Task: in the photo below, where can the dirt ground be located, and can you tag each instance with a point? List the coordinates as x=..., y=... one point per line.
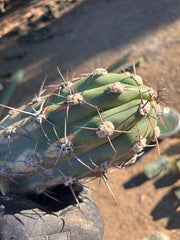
x=83, y=35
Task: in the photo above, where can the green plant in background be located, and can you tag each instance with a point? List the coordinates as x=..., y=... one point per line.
x=79, y=130
x=157, y=236
x=11, y=88
x=164, y=164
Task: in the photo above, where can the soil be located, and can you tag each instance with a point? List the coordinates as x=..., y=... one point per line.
x=81, y=36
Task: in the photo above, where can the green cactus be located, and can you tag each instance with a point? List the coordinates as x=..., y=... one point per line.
x=79, y=130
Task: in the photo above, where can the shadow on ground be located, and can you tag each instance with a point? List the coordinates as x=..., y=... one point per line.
x=168, y=208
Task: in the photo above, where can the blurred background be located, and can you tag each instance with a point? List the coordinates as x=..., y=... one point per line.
x=36, y=36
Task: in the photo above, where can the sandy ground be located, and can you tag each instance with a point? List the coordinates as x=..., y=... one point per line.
x=88, y=34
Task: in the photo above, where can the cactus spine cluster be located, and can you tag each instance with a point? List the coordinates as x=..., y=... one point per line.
x=81, y=129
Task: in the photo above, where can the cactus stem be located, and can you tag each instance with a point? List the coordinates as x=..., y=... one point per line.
x=136, y=112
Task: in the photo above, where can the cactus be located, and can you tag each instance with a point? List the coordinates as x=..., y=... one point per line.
x=79, y=130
